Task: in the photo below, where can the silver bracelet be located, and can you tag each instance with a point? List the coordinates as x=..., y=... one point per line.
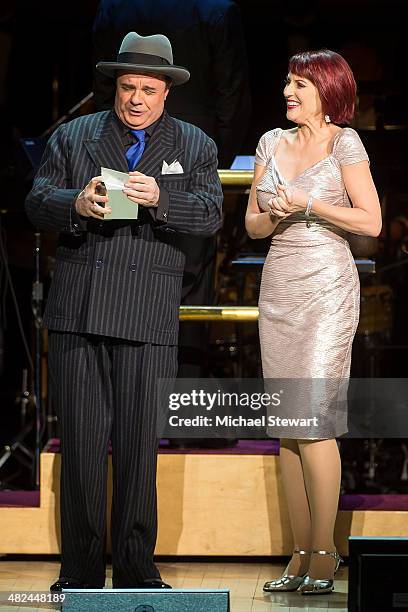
x=308, y=210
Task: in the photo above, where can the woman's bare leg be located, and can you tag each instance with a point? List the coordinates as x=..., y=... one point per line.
x=297, y=502
x=322, y=474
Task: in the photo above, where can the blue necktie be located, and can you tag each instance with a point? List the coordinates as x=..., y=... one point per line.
x=135, y=152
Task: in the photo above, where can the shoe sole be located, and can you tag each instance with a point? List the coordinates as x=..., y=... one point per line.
x=316, y=592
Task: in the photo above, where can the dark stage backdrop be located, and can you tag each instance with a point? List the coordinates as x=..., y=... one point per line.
x=46, y=54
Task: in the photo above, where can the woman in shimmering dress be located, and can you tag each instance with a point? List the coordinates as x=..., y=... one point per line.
x=312, y=185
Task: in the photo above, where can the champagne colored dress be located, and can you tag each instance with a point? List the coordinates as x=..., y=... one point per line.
x=310, y=294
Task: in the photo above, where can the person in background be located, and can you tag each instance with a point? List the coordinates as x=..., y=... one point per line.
x=209, y=38
x=206, y=36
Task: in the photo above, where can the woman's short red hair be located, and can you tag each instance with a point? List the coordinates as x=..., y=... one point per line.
x=334, y=80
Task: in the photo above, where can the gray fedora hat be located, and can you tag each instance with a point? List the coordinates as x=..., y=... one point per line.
x=146, y=55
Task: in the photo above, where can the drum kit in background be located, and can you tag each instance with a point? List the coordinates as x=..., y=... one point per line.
x=374, y=330
x=239, y=285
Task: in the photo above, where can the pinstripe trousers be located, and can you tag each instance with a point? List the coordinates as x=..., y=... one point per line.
x=105, y=389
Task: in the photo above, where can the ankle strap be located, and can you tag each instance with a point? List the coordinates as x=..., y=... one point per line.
x=331, y=553
x=302, y=552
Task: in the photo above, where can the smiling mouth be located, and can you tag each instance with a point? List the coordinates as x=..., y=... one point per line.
x=291, y=105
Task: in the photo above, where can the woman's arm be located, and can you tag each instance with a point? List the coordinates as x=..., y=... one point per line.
x=365, y=216
x=259, y=224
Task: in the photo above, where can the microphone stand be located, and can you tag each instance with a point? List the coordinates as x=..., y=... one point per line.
x=36, y=302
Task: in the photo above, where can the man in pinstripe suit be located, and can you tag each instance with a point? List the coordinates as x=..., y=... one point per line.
x=112, y=308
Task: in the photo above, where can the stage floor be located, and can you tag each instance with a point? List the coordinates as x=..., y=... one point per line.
x=244, y=580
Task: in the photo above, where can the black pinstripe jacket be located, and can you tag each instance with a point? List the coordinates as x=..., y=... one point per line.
x=123, y=279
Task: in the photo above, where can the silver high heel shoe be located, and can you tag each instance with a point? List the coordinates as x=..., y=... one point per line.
x=320, y=586
x=287, y=582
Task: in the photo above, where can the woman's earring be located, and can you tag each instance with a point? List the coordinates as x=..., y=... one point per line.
x=327, y=119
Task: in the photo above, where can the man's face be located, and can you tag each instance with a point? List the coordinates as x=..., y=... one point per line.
x=139, y=99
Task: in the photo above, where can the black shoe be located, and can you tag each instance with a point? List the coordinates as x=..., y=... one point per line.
x=153, y=583
x=71, y=584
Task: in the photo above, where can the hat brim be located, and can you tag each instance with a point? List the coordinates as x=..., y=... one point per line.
x=177, y=74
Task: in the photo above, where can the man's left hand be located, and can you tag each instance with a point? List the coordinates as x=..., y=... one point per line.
x=142, y=189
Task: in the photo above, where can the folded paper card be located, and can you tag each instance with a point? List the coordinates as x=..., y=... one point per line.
x=174, y=168
x=122, y=207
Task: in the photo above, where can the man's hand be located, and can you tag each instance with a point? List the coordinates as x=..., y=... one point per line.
x=87, y=202
x=142, y=189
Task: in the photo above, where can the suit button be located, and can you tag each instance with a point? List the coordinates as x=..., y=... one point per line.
x=165, y=215
x=99, y=263
x=133, y=267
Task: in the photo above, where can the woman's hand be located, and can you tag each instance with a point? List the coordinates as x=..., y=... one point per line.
x=288, y=201
x=279, y=207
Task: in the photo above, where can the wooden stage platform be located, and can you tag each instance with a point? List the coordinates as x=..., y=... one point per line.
x=210, y=504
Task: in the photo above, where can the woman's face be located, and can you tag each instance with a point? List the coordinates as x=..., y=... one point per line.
x=302, y=100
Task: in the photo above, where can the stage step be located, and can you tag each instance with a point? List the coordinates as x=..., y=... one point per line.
x=208, y=505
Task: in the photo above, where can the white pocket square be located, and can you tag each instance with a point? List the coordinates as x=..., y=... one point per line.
x=174, y=168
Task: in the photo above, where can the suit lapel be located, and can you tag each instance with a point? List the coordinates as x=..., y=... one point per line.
x=106, y=149
x=165, y=144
